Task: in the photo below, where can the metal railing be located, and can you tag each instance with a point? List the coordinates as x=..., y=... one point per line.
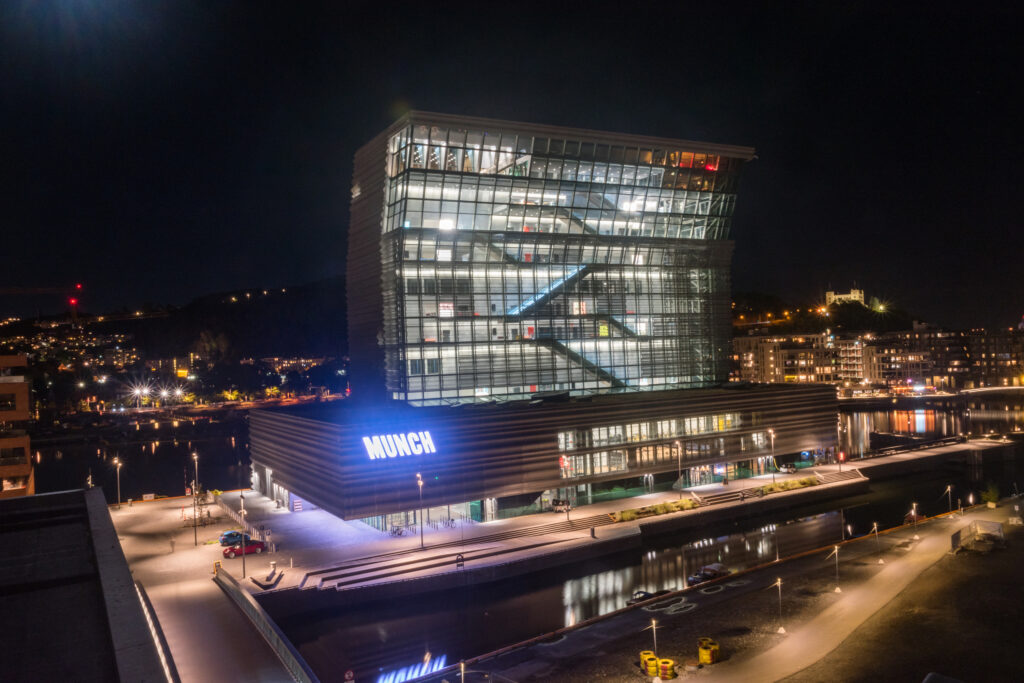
x=259, y=533
x=163, y=650
x=278, y=642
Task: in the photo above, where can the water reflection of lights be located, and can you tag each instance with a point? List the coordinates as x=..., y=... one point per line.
x=408, y=673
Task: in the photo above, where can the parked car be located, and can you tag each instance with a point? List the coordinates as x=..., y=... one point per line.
x=233, y=538
x=252, y=546
x=913, y=517
x=640, y=596
x=788, y=468
x=707, y=573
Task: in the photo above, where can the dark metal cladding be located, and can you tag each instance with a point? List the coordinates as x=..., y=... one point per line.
x=495, y=451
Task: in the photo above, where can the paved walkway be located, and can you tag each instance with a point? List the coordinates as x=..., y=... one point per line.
x=209, y=637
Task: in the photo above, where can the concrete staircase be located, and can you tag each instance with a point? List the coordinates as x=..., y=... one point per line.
x=832, y=477
x=395, y=564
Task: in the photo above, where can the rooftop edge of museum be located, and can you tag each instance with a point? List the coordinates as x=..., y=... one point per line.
x=585, y=135
x=687, y=398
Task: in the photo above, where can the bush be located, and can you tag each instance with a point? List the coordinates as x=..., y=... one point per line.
x=991, y=494
x=788, y=485
x=652, y=510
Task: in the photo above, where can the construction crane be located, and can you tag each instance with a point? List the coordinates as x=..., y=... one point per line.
x=73, y=294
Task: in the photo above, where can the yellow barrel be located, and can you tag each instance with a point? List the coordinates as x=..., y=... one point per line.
x=668, y=668
x=702, y=642
x=715, y=649
x=705, y=655
x=651, y=665
x=644, y=654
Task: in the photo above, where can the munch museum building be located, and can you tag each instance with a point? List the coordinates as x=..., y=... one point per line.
x=535, y=313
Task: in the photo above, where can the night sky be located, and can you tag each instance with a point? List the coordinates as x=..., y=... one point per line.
x=161, y=151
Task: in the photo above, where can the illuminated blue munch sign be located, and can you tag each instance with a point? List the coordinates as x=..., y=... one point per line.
x=381, y=446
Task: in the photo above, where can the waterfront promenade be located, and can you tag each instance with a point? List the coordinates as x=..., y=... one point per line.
x=210, y=639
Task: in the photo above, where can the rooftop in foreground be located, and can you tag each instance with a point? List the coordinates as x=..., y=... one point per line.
x=70, y=608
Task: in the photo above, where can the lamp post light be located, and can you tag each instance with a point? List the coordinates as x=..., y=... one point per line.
x=243, y=512
x=878, y=544
x=778, y=583
x=771, y=435
x=419, y=482
x=949, y=497
x=913, y=513
x=117, y=463
x=835, y=551
x=195, y=498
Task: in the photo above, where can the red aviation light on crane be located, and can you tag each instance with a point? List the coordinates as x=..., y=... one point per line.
x=73, y=301
x=78, y=286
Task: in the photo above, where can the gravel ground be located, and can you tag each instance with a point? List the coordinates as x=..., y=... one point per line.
x=958, y=618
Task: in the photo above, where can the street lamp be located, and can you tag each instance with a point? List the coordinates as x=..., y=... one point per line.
x=243, y=512
x=778, y=583
x=949, y=497
x=835, y=551
x=771, y=435
x=913, y=512
x=878, y=545
x=117, y=462
x=654, y=631
x=419, y=482
x=195, y=497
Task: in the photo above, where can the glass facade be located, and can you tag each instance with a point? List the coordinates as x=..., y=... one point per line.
x=640, y=445
x=515, y=263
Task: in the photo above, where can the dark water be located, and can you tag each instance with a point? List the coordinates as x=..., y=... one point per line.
x=982, y=416
x=154, y=460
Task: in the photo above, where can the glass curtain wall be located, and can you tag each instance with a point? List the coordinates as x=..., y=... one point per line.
x=515, y=264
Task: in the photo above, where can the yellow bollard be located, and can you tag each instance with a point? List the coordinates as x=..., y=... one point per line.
x=667, y=668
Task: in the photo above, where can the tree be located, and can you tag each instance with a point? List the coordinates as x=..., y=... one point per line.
x=212, y=348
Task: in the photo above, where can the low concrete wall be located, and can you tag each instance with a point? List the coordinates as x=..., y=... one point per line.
x=927, y=459
x=715, y=514
x=276, y=639
x=290, y=601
